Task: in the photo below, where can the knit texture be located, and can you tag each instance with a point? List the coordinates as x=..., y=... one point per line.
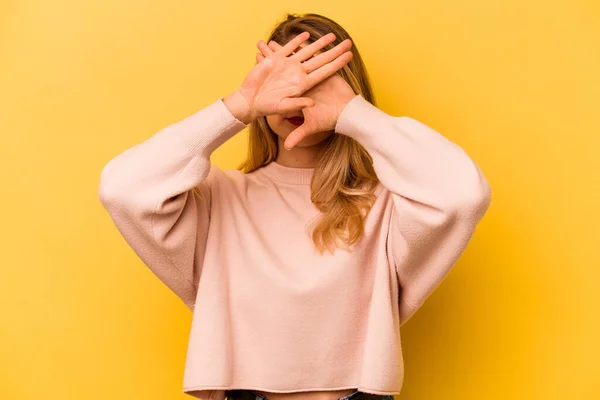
x=269, y=312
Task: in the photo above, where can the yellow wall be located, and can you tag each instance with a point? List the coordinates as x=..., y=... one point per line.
x=516, y=83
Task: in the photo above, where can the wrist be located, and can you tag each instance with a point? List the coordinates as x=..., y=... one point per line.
x=344, y=114
x=239, y=107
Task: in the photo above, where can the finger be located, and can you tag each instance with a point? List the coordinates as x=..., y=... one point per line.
x=293, y=44
x=295, y=137
x=321, y=59
x=328, y=70
x=264, y=49
x=307, y=52
x=273, y=45
x=259, y=57
x=295, y=103
x=276, y=46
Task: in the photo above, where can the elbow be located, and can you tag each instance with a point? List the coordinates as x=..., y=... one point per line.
x=105, y=191
x=482, y=201
x=120, y=191
x=474, y=202
x=474, y=195
x=106, y=195
x=109, y=191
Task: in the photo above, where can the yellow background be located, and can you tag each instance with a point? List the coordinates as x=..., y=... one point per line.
x=515, y=83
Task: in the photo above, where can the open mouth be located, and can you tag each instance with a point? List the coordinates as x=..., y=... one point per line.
x=295, y=120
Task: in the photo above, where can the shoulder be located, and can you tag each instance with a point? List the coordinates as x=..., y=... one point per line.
x=218, y=176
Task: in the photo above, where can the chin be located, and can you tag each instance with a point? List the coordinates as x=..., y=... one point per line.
x=314, y=139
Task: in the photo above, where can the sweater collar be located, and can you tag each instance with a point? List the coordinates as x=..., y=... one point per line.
x=291, y=175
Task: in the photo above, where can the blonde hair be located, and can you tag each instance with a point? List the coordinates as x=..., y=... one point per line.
x=344, y=179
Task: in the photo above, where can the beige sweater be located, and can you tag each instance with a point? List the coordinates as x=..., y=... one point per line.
x=270, y=313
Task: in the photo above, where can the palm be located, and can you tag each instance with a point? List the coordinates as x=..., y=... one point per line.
x=272, y=81
x=276, y=83
x=330, y=97
x=323, y=115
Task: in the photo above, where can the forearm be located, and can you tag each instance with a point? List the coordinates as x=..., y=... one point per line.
x=413, y=160
x=171, y=161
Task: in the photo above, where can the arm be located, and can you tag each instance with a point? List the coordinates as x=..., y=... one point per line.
x=439, y=195
x=158, y=194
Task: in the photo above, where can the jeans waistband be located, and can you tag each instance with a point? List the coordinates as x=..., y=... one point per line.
x=248, y=394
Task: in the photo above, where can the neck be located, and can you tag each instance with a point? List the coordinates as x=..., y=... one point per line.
x=299, y=157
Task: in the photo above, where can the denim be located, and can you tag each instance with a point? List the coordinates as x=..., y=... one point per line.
x=247, y=394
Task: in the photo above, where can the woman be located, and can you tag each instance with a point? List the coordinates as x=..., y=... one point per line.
x=301, y=267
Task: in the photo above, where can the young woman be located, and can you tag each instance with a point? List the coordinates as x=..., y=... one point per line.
x=301, y=266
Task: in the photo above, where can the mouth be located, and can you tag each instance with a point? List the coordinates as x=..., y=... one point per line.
x=295, y=120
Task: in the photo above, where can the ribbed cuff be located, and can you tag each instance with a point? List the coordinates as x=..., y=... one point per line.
x=358, y=119
x=209, y=128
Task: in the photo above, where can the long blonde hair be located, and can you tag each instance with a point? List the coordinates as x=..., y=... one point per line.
x=344, y=179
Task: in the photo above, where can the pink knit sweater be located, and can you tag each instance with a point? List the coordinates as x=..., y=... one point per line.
x=270, y=313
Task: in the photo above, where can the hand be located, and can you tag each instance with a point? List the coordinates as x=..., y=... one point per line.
x=275, y=84
x=330, y=97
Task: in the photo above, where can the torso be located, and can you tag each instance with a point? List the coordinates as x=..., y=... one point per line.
x=261, y=301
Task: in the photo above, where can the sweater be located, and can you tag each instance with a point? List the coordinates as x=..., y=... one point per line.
x=269, y=312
